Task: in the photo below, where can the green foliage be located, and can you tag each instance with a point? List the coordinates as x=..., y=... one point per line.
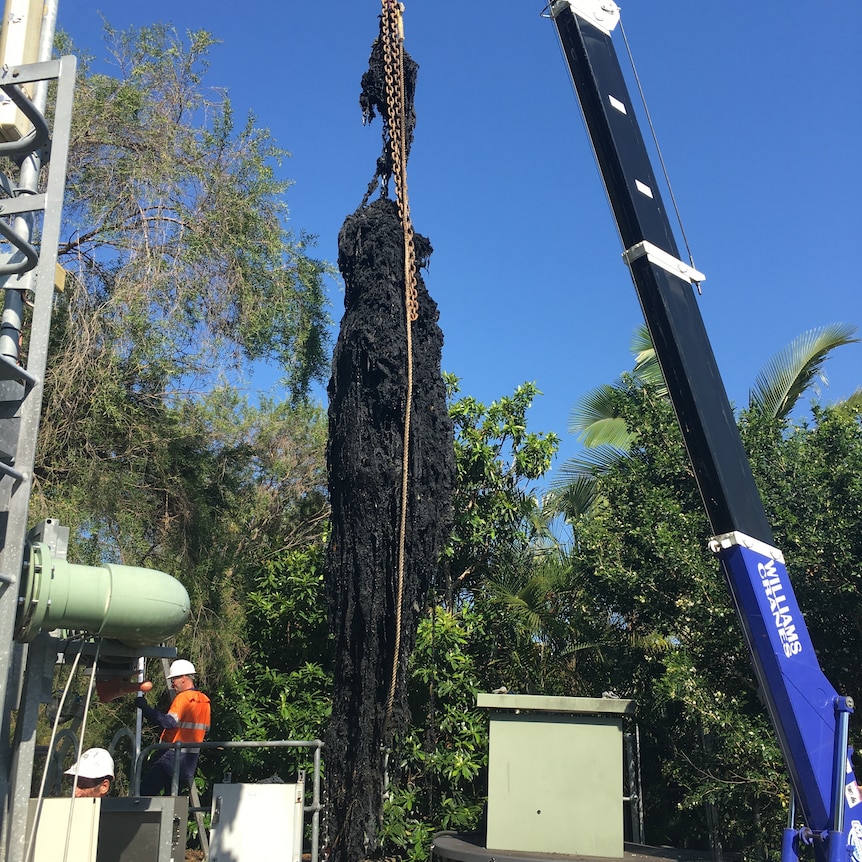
x=599, y=421
x=709, y=751
x=176, y=219
x=596, y=418
x=496, y=457
x=682, y=657
x=182, y=273
x=811, y=480
x=546, y=635
x=793, y=370
x=438, y=776
x=481, y=634
x=282, y=690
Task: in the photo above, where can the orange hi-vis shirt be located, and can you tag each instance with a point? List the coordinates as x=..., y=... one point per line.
x=191, y=711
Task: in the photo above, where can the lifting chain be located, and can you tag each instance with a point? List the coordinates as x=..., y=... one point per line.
x=392, y=34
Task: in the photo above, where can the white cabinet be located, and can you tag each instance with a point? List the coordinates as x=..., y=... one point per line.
x=67, y=829
x=251, y=822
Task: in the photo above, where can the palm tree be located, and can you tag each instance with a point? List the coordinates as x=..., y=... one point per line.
x=596, y=419
x=546, y=628
x=795, y=369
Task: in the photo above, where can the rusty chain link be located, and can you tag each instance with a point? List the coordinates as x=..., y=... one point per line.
x=396, y=107
x=392, y=34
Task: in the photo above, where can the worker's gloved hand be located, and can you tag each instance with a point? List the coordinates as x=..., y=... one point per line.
x=150, y=713
x=146, y=710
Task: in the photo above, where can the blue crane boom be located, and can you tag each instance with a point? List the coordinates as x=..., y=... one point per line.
x=810, y=718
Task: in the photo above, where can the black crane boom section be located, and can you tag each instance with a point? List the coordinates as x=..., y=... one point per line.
x=669, y=305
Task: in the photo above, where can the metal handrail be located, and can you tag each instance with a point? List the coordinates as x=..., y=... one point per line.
x=314, y=808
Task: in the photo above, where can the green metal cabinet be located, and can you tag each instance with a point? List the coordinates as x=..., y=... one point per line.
x=555, y=774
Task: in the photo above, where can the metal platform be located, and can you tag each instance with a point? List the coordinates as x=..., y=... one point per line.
x=467, y=847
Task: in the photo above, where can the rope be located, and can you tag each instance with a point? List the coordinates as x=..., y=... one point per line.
x=392, y=34
x=31, y=838
x=91, y=686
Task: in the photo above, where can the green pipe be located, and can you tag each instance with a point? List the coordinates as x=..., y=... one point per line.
x=135, y=606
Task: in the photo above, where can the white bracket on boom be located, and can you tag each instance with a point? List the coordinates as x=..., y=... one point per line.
x=729, y=540
x=603, y=14
x=665, y=260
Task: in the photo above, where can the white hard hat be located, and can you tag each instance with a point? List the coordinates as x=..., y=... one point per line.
x=94, y=763
x=181, y=667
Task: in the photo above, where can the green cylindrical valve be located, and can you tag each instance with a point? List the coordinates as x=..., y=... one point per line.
x=138, y=607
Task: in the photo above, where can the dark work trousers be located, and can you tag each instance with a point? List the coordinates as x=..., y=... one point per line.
x=158, y=777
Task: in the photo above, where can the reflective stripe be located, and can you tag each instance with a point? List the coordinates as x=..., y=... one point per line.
x=176, y=734
x=191, y=709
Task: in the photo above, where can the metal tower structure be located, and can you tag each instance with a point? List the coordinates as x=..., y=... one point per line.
x=31, y=199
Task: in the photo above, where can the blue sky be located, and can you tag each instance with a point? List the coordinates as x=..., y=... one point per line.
x=759, y=117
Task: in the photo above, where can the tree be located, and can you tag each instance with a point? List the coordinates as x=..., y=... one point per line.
x=681, y=657
x=598, y=421
x=283, y=690
x=809, y=474
x=246, y=544
x=642, y=546
x=509, y=611
x=495, y=509
x=183, y=276
x=546, y=634
x=176, y=229
x=439, y=767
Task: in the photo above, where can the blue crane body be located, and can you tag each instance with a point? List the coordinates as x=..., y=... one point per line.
x=810, y=718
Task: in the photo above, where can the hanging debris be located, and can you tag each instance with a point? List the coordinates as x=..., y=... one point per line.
x=386, y=537
x=373, y=100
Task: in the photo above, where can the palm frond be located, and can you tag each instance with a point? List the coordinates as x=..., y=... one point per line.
x=571, y=499
x=647, y=371
x=591, y=463
x=854, y=402
x=596, y=420
x=641, y=343
x=574, y=492
x=523, y=593
x=791, y=372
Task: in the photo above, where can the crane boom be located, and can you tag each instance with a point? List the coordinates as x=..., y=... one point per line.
x=810, y=718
